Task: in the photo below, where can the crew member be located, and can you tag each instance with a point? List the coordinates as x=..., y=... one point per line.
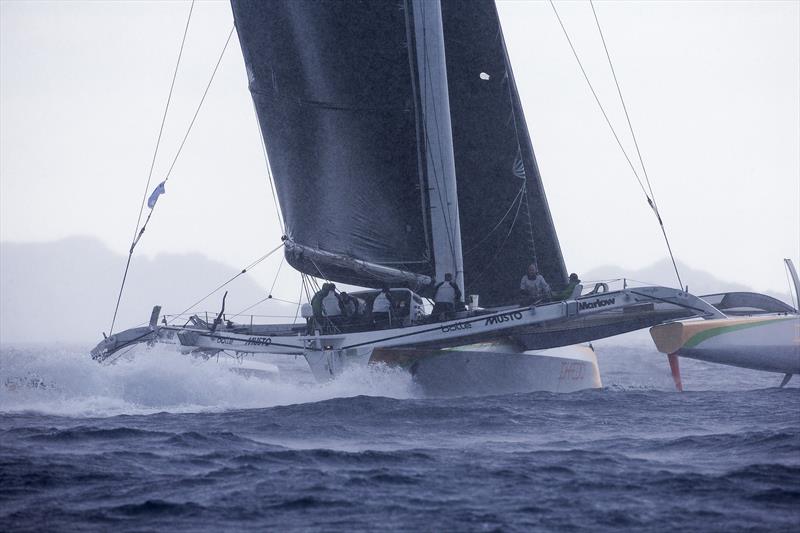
x=445, y=297
x=533, y=288
x=572, y=290
x=332, y=305
x=382, y=307
x=349, y=305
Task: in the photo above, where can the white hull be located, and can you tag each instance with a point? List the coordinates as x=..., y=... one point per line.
x=497, y=368
x=760, y=343
x=466, y=355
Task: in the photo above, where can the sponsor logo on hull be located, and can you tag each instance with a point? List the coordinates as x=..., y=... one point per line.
x=258, y=341
x=594, y=304
x=456, y=327
x=507, y=317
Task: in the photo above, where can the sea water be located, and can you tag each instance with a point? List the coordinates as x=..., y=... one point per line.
x=163, y=442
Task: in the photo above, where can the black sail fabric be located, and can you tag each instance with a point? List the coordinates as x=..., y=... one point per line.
x=505, y=219
x=333, y=87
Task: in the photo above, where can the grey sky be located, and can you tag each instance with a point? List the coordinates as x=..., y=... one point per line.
x=713, y=90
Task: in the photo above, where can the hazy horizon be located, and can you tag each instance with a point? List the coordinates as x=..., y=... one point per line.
x=65, y=290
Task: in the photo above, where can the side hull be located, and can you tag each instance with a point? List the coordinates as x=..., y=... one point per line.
x=759, y=343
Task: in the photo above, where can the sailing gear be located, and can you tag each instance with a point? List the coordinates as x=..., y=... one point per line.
x=316, y=301
x=382, y=303
x=534, y=288
x=331, y=304
x=572, y=290
x=447, y=292
x=349, y=305
x=446, y=296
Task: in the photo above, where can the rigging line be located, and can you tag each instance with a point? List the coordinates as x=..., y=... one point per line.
x=269, y=171
x=597, y=99
x=508, y=73
x=318, y=270
x=530, y=222
x=199, y=105
x=652, y=198
x=499, y=222
x=164, y=118
x=299, y=304
x=248, y=308
x=136, y=231
x=284, y=301
x=622, y=101
x=244, y=270
x=283, y=258
x=269, y=294
x=496, y=253
x=304, y=286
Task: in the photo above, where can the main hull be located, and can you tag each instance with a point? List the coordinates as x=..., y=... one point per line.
x=499, y=367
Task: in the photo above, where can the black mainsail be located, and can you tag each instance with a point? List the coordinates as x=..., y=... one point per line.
x=337, y=90
x=334, y=94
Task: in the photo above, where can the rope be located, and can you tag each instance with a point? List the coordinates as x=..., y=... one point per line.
x=299, y=303
x=652, y=196
x=283, y=258
x=269, y=172
x=134, y=239
x=497, y=251
x=199, y=105
x=499, y=36
x=648, y=194
x=496, y=226
x=622, y=101
x=186, y=136
x=269, y=294
x=597, y=99
x=244, y=270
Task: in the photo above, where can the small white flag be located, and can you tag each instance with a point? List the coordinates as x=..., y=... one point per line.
x=151, y=202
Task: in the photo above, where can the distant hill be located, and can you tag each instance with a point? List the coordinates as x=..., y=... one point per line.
x=662, y=273
x=66, y=290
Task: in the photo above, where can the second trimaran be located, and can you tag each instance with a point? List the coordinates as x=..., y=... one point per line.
x=400, y=152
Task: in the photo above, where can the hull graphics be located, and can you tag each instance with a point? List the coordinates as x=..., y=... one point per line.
x=758, y=343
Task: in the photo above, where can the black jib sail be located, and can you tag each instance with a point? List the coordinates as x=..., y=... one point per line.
x=336, y=90
x=505, y=219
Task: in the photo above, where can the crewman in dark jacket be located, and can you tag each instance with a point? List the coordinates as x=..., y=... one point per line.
x=445, y=297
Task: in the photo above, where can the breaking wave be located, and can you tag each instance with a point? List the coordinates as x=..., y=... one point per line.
x=65, y=381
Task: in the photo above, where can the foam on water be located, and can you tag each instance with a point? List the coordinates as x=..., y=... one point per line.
x=65, y=381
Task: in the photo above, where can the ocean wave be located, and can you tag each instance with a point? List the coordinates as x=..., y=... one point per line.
x=69, y=383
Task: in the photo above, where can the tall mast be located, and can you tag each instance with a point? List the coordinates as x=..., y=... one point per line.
x=438, y=140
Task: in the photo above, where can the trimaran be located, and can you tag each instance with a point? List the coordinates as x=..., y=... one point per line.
x=399, y=152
